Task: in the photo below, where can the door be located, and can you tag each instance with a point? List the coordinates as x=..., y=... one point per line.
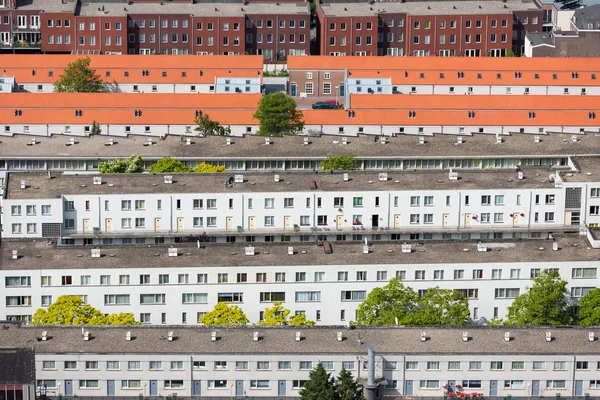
x=339, y=222
x=397, y=221
x=287, y=223
x=110, y=388
x=153, y=388
x=5, y=37
x=180, y=224
x=578, y=388
x=251, y=223
x=535, y=388
x=157, y=224
x=108, y=225
x=68, y=387
x=516, y=219
x=197, y=391
x=239, y=388
x=375, y=221
x=568, y=218
x=229, y=223
x=451, y=386
x=281, y=388
x=342, y=91
x=493, y=388
x=293, y=89
x=87, y=226
x=467, y=220
x=408, y=388
x=445, y=220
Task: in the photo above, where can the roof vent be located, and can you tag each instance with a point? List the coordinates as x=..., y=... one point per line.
x=290, y=250
x=507, y=337
x=499, y=138
x=255, y=337
x=249, y=250
x=406, y=248
x=173, y=252
x=459, y=140
x=86, y=335
x=424, y=336
x=383, y=176
x=45, y=335
x=465, y=337
x=228, y=141
x=555, y=246
x=170, y=336
x=168, y=178
x=267, y=141
x=574, y=139
x=276, y=178
x=188, y=141
x=520, y=175
x=482, y=247
x=312, y=184
x=344, y=140
x=213, y=336
x=95, y=253
x=298, y=336
x=591, y=337
x=128, y=336
x=549, y=337
x=452, y=175
x=536, y=139
x=238, y=178
x=421, y=140
x=346, y=177
x=23, y=185
x=15, y=254
x=306, y=142
x=340, y=336
x=33, y=141
x=97, y=180
x=110, y=142
x=383, y=140
x=149, y=142
x=71, y=141
x=365, y=249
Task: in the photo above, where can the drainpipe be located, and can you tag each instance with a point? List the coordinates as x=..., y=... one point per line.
x=389, y=210
x=243, y=209
x=171, y=214
x=459, y=210
x=99, y=214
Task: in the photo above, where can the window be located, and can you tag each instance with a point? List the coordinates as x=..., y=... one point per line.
x=498, y=218
x=298, y=384
x=354, y=295
x=262, y=366
x=581, y=365
x=198, y=365
x=49, y=365
x=15, y=281
x=131, y=384
x=361, y=275
x=475, y=366
x=429, y=384
x=412, y=365
x=389, y=365
x=509, y=293
x=549, y=217
x=539, y=365
x=89, y=384
x=560, y=365
x=518, y=366
x=269, y=221
x=116, y=299
x=514, y=384
x=357, y=202
x=556, y=384
x=433, y=365
x=583, y=272
x=178, y=384
x=499, y=200
x=91, y=365
x=70, y=365
x=306, y=365
x=152, y=298
x=220, y=365
x=496, y=365
x=194, y=298
x=177, y=365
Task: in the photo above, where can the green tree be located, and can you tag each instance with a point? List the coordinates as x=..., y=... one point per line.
x=589, y=308
x=348, y=388
x=70, y=310
x=545, y=303
x=206, y=126
x=121, y=166
x=389, y=305
x=279, y=315
x=320, y=385
x=339, y=163
x=442, y=307
x=510, y=53
x=168, y=164
x=78, y=77
x=207, y=168
x=224, y=315
x=278, y=115
x=96, y=130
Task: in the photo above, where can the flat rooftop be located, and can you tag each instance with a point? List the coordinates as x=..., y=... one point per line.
x=34, y=255
x=282, y=340
x=38, y=186
x=47, y=6
x=292, y=147
x=589, y=170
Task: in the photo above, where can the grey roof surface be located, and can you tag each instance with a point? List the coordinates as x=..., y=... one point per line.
x=36, y=254
x=49, y=6
x=427, y=8
x=291, y=147
x=588, y=170
x=314, y=340
x=38, y=186
x=586, y=15
x=540, y=39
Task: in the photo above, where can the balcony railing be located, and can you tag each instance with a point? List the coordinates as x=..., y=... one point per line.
x=28, y=27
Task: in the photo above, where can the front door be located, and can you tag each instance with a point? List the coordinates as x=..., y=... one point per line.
x=396, y=221
x=239, y=388
x=445, y=220
x=197, y=391
x=110, y=388
x=281, y=388
x=493, y=388
x=287, y=223
x=251, y=223
x=68, y=387
x=157, y=224
x=451, y=386
x=467, y=220
x=108, y=225
x=408, y=390
x=87, y=226
x=535, y=388
x=342, y=91
x=339, y=222
x=568, y=218
x=229, y=222
x=153, y=388
x=293, y=89
x=516, y=219
x=180, y=224
x=375, y=221
x=578, y=388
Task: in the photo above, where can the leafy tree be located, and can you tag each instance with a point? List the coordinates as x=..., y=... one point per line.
x=224, y=315
x=279, y=315
x=348, y=388
x=122, y=166
x=442, y=307
x=207, y=126
x=545, y=303
x=339, y=163
x=96, y=130
x=510, y=53
x=206, y=168
x=589, y=308
x=70, y=310
x=278, y=115
x=78, y=77
x=168, y=164
x=320, y=385
x=389, y=305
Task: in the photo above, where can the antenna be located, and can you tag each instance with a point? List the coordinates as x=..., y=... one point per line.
x=507, y=336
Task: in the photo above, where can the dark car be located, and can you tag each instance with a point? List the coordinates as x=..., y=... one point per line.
x=324, y=105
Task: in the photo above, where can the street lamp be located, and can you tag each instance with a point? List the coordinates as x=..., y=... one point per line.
x=337, y=88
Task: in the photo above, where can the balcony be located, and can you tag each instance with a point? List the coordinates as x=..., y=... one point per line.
x=24, y=44
x=26, y=28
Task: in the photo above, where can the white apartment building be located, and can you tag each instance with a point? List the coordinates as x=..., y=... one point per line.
x=268, y=362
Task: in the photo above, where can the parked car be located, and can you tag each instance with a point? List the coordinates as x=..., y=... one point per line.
x=325, y=105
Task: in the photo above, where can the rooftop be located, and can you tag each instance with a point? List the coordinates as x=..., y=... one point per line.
x=33, y=254
x=47, y=6
x=540, y=39
x=588, y=170
x=314, y=340
x=292, y=147
x=40, y=187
